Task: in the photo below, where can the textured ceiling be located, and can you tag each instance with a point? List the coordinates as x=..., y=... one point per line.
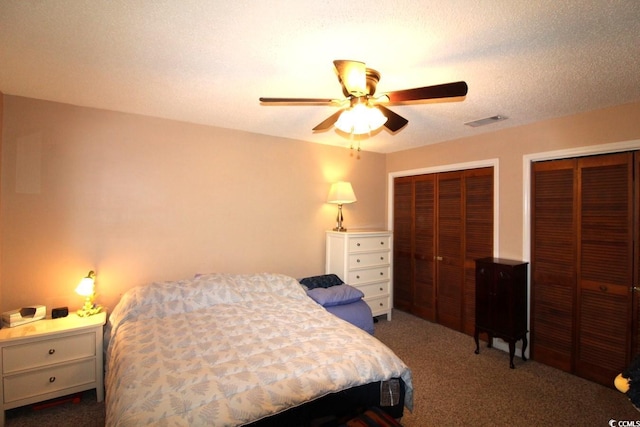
x=208, y=62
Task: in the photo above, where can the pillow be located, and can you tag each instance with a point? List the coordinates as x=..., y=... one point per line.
x=324, y=281
x=335, y=295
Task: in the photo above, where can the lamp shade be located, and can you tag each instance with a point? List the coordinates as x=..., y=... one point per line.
x=85, y=287
x=360, y=119
x=341, y=192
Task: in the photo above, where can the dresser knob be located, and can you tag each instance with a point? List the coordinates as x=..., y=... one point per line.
x=381, y=305
x=357, y=244
x=52, y=379
x=52, y=350
x=381, y=258
x=357, y=277
x=382, y=273
x=382, y=289
x=357, y=260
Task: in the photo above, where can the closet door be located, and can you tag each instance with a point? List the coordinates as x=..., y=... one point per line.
x=403, y=243
x=583, y=265
x=605, y=269
x=553, y=266
x=478, y=236
x=424, y=248
x=450, y=255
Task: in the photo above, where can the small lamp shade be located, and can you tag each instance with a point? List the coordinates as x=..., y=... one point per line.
x=340, y=193
x=85, y=287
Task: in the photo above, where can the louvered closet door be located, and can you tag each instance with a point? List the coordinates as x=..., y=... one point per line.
x=450, y=257
x=478, y=232
x=605, y=273
x=553, y=266
x=424, y=247
x=403, y=243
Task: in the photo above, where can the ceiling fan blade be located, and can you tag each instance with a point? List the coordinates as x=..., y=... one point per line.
x=447, y=90
x=328, y=122
x=352, y=76
x=395, y=122
x=298, y=100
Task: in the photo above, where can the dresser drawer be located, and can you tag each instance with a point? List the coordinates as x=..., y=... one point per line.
x=369, y=275
x=42, y=353
x=378, y=305
x=369, y=259
x=369, y=243
x=50, y=379
x=375, y=289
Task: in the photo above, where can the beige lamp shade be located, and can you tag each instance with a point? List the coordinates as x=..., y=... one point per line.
x=341, y=192
x=360, y=119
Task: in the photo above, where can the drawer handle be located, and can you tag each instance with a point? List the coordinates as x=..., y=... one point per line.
x=357, y=260
x=382, y=273
x=381, y=258
x=381, y=305
x=357, y=277
x=382, y=243
x=52, y=379
x=52, y=350
x=357, y=244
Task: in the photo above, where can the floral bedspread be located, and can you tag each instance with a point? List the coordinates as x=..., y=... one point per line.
x=227, y=350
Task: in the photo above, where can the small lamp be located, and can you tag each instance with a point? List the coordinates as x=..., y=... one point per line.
x=86, y=288
x=340, y=193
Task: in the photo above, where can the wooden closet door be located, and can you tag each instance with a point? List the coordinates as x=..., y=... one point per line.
x=605, y=269
x=478, y=236
x=403, y=243
x=424, y=247
x=449, y=243
x=553, y=266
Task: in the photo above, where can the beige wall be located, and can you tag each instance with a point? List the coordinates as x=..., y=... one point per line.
x=1, y=121
x=510, y=146
x=141, y=199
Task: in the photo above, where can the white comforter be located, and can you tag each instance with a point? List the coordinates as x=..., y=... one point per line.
x=231, y=349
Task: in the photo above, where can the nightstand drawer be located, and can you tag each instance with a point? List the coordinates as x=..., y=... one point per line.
x=368, y=259
x=47, y=380
x=369, y=275
x=369, y=243
x=375, y=289
x=42, y=353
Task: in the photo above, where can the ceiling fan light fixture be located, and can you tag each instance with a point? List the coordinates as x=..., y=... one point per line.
x=360, y=119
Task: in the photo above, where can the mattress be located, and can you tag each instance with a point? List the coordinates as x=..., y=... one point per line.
x=225, y=350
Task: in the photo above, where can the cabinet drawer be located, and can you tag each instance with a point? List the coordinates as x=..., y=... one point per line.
x=47, y=380
x=42, y=353
x=369, y=243
x=369, y=275
x=368, y=259
x=375, y=289
x=378, y=305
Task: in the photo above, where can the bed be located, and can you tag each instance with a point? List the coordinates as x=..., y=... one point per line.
x=222, y=349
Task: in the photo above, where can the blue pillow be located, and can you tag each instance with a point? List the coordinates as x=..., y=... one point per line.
x=335, y=295
x=324, y=281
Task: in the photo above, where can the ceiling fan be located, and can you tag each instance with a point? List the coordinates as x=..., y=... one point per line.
x=358, y=86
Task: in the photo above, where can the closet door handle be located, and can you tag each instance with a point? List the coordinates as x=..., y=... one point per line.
x=437, y=258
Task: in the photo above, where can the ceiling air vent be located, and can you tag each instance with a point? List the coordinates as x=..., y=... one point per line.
x=486, y=121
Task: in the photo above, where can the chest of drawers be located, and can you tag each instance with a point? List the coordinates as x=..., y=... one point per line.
x=51, y=358
x=362, y=258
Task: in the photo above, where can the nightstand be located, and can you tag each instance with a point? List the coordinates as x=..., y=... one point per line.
x=51, y=358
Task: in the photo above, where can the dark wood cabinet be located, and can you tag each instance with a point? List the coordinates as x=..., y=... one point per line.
x=501, y=302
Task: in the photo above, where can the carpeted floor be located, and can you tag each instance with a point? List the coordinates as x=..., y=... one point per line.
x=453, y=387
x=456, y=387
